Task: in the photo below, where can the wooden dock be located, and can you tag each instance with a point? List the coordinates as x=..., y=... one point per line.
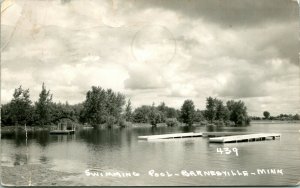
x=245, y=138
x=62, y=132
x=218, y=134
x=62, y=129
x=168, y=136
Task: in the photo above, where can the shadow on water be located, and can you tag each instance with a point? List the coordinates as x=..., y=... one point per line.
x=119, y=149
x=109, y=137
x=215, y=128
x=19, y=137
x=187, y=129
x=212, y=128
x=124, y=136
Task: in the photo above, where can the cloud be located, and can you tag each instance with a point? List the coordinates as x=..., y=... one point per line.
x=91, y=58
x=154, y=44
x=182, y=90
x=243, y=86
x=144, y=78
x=229, y=49
x=230, y=13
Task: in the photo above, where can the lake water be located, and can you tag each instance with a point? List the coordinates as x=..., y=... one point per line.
x=65, y=158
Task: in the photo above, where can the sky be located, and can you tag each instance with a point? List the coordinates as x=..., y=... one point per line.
x=154, y=51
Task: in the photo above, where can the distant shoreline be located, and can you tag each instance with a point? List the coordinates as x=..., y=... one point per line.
x=273, y=121
x=13, y=128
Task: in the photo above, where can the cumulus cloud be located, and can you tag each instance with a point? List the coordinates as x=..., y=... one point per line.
x=155, y=51
x=231, y=13
x=144, y=78
x=243, y=86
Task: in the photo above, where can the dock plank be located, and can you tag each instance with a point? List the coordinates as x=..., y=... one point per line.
x=219, y=134
x=168, y=136
x=62, y=132
x=247, y=138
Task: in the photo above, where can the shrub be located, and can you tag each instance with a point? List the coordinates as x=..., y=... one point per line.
x=172, y=122
x=123, y=123
x=110, y=121
x=219, y=123
x=229, y=123
x=155, y=117
x=204, y=122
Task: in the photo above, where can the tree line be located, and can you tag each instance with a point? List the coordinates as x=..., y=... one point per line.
x=281, y=117
x=109, y=108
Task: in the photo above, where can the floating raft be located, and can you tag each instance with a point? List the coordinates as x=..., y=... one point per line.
x=168, y=136
x=245, y=138
x=218, y=134
x=62, y=132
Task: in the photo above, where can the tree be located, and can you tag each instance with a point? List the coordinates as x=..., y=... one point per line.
x=199, y=116
x=43, y=106
x=266, y=114
x=167, y=112
x=188, y=112
x=155, y=116
x=141, y=114
x=210, y=112
x=94, y=110
x=114, y=103
x=21, y=109
x=6, y=118
x=101, y=104
x=78, y=108
x=62, y=112
x=163, y=109
x=222, y=112
x=128, y=111
x=171, y=113
x=238, y=112
x=148, y=114
x=296, y=117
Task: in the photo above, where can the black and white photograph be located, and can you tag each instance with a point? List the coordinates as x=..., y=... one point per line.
x=150, y=93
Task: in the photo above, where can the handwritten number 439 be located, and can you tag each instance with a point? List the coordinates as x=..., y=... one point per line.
x=228, y=151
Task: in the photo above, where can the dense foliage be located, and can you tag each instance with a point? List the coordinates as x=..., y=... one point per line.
x=128, y=111
x=266, y=114
x=188, y=112
x=238, y=112
x=148, y=114
x=234, y=111
x=109, y=108
x=102, y=106
x=43, y=106
x=20, y=108
x=281, y=117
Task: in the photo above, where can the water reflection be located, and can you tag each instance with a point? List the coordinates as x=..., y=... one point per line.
x=111, y=137
x=19, y=137
x=120, y=150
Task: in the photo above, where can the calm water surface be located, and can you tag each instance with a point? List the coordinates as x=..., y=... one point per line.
x=119, y=150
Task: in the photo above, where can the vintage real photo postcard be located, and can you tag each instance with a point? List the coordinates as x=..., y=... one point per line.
x=150, y=93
